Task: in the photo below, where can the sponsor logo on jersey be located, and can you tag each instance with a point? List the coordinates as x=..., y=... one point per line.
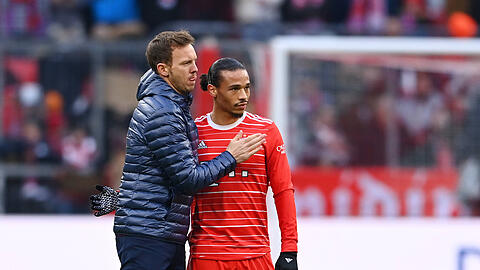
x=202, y=145
x=282, y=149
x=288, y=260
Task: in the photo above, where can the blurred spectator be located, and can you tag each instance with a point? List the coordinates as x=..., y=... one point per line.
x=429, y=122
x=155, y=13
x=115, y=19
x=436, y=150
x=367, y=16
x=20, y=85
x=365, y=125
x=31, y=99
x=259, y=18
x=70, y=75
x=28, y=148
x=34, y=146
x=207, y=10
x=302, y=10
x=368, y=117
x=79, y=149
x=336, y=11
x=67, y=21
x=426, y=11
x=34, y=149
x=36, y=194
x=24, y=18
x=435, y=10
x=416, y=109
x=251, y=11
x=302, y=16
x=12, y=114
x=330, y=145
x=394, y=25
x=307, y=98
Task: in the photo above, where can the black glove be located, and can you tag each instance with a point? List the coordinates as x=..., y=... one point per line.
x=104, y=202
x=287, y=261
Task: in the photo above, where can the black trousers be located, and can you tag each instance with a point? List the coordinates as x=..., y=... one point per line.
x=145, y=253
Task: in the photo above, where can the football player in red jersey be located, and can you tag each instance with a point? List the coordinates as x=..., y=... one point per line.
x=229, y=218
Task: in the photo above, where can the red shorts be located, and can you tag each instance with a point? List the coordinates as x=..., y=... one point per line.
x=259, y=263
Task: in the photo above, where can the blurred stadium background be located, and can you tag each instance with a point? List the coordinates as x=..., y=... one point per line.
x=377, y=100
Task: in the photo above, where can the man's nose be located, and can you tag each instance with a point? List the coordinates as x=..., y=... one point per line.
x=242, y=94
x=194, y=68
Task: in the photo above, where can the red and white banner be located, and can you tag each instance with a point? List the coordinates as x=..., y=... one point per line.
x=375, y=192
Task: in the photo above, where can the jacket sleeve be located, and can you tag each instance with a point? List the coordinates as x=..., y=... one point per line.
x=166, y=136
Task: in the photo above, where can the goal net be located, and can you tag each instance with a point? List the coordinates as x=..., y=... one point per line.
x=333, y=98
x=375, y=102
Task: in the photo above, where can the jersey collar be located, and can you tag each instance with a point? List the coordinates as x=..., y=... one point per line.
x=225, y=127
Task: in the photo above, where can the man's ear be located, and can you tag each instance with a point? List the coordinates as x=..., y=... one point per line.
x=212, y=90
x=162, y=69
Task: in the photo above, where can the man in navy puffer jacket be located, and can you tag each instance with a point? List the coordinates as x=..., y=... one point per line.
x=161, y=169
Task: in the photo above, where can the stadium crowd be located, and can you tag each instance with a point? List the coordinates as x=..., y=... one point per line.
x=77, y=20
x=352, y=122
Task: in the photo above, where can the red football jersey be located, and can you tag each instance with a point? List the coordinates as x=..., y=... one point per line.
x=229, y=218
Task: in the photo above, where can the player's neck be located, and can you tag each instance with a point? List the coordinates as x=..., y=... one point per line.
x=223, y=118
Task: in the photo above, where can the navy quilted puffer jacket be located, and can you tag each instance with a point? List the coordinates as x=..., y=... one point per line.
x=161, y=169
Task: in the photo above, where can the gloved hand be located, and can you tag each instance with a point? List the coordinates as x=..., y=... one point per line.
x=287, y=261
x=104, y=202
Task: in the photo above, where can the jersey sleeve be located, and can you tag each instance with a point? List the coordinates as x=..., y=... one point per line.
x=279, y=177
x=287, y=220
x=278, y=170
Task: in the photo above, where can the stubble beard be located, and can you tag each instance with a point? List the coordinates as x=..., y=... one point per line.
x=237, y=115
x=183, y=89
x=181, y=86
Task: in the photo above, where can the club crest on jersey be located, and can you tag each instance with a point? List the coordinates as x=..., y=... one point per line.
x=202, y=145
x=282, y=149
